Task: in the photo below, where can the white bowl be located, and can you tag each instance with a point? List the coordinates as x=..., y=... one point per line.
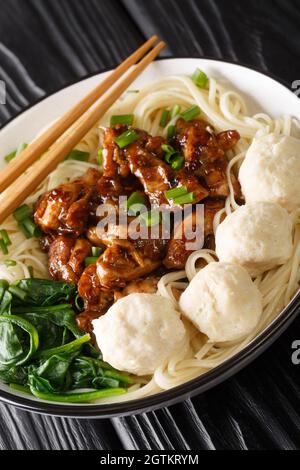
x=262, y=93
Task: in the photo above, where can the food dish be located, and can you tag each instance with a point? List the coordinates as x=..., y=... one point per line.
x=164, y=284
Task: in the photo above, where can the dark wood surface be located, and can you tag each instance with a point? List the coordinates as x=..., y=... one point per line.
x=45, y=44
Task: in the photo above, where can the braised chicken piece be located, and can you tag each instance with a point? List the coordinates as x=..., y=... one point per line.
x=126, y=261
x=66, y=258
x=204, y=154
x=177, y=254
x=139, y=286
x=115, y=162
x=66, y=209
x=97, y=300
x=157, y=177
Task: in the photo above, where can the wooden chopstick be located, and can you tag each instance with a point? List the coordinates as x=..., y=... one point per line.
x=64, y=146
x=17, y=166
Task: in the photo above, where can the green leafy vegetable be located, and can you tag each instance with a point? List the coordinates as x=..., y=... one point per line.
x=78, y=155
x=42, y=350
x=17, y=352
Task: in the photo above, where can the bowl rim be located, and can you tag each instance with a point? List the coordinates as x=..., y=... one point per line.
x=188, y=389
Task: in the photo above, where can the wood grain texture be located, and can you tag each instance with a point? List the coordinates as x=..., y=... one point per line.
x=54, y=42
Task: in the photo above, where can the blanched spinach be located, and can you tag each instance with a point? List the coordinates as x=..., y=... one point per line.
x=43, y=292
x=42, y=350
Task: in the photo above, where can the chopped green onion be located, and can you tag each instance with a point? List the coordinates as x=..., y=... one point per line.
x=18, y=292
x=16, y=152
x=78, y=155
x=165, y=116
x=150, y=218
x=135, y=203
x=174, y=158
x=20, y=148
x=31, y=227
x=126, y=138
x=133, y=91
x=176, y=192
x=185, y=199
x=31, y=271
x=3, y=247
x=5, y=237
x=191, y=113
x=175, y=111
x=100, y=157
x=200, y=78
x=24, y=230
x=168, y=148
x=22, y=213
x=171, y=131
x=8, y=158
x=10, y=262
x=135, y=198
x=90, y=260
x=125, y=119
x=177, y=161
x=96, y=251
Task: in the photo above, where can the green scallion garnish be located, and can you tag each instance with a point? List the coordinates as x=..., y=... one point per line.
x=171, y=131
x=31, y=227
x=22, y=213
x=3, y=247
x=16, y=152
x=78, y=155
x=191, y=113
x=91, y=260
x=135, y=203
x=5, y=237
x=177, y=161
x=8, y=158
x=185, y=199
x=172, y=157
x=200, y=78
x=127, y=138
x=125, y=119
x=175, y=111
x=10, y=262
x=96, y=251
x=176, y=192
x=150, y=218
x=165, y=116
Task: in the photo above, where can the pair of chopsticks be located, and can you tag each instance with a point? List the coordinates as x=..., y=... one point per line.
x=77, y=121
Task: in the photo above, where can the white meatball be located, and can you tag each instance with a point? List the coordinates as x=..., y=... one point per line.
x=139, y=332
x=222, y=302
x=257, y=236
x=271, y=171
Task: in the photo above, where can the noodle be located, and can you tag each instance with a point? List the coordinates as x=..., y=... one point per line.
x=223, y=109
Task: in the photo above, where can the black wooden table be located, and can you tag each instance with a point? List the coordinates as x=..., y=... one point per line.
x=44, y=45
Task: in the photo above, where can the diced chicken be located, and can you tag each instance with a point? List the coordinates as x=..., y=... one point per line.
x=126, y=261
x=66, y=209
x=177, y=254
x=66, y=258
x=204, y=154
x=139, y=286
